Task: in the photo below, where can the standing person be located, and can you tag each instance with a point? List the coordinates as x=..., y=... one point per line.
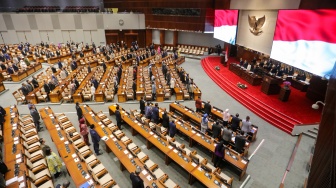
x=198, y=104
x=165, y=119
x=95, y=139
x=219, y=154
x=84, y=131
x=79, y=111
x=142, y=106
x=191, y=89
x=148, y=111
x=172, y=85
x=36, y=118
x=204, y=123
x=54, y=163
x=137, y=182
x=240, y=142
x=246, y=125
x=93, y=91
x=118, y=117
x=64, y=185
x=226, y=117
x=172, y=129
x=216, y=130
x=46, y=89
x=155, y=113
x=235, y=121
x=35, y=82
x=207, y=108
x=227, y=135
x=153, y=91
x=44, y=146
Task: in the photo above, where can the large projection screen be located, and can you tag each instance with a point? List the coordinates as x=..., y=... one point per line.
x=225, y=26
x=306, y=39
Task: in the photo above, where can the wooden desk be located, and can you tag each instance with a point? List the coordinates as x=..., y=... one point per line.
x=77, y=96
x=23, y=171
x=8, y=153
x=199, y=174
x=178, y=93
x=18, y=76
x=297, y=84
x=232, y=158
x=127, y=161
x=66, y=151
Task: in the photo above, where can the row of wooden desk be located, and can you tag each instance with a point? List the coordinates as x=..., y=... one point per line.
x=22, y=74
x=54, y=60
x=112, y=143
x=249, y=77
x=15, y=156
x=206, y=141
x=76, y=168
x=172, y=153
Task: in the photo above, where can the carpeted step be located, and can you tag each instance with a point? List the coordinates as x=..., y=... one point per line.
x=272, y=116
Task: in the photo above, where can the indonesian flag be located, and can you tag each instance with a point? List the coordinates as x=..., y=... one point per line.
x=225, y=26
x=306, y=39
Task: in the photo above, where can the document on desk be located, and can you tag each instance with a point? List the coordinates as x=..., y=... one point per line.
x=175, y=151
x=18, y=155
x=74, y=155
x=155, y=136
x=198, y=134
x=193, y=131
x=22, y=185
x=111, y=136
x=12, y=180
x=126, y=152
x=90, y=182
x=87, y=176
x=144, y=172
x=130, y=156
x=243, y=161
x=105, y=138
x=170, y=147
x=193, y=164
x=151, y=133
x=76, y=160
x=20, y=179
x=18, y=161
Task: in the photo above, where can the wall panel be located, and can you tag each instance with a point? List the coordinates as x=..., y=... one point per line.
x=44, y=21
x=264, y=5
x=89, y=21
x=2, y=24
x=263, y=42
x=169, y=37
x=203, y=39
x=20, y=22
x=67, y=21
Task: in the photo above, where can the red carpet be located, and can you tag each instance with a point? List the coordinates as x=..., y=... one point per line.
x=284, y=115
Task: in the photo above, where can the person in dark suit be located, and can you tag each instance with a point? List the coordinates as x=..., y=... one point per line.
x=165, y=119
x=142, y=105
x=235, y=121
x=73, y=65
x=155, y=113
x=35, y=82
x=59, y=63
x=36, y=117
x=134, y=87
x=76, y=83
x=53, y=69
x=104, y=66
x=245, y=64
x=227, y=134
x=95, y=139
x=207, y=108
x=172, y=129
x=216, y=130
x=118, y=117
x=15, y=68
x=24, y=89
x=137, y=182
x=79, y=111
x=46, y=88
x=10, y=70
x=81, y=54
x=95, y=82
x=240, y=141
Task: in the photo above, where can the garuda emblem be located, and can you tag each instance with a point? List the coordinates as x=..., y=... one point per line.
x=256, y=24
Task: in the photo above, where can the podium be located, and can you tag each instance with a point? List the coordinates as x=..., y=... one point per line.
x=270, y=86
x=222, y=58
x=284, y=94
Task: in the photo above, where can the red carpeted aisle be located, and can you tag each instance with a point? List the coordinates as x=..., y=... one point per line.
x=284, y=115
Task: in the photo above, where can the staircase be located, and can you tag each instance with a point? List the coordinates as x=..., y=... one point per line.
x=311, y=133
x=264, y=111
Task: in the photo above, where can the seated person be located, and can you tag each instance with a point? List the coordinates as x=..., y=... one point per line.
x=280, y=72
x=240, y=141
x=245, y=64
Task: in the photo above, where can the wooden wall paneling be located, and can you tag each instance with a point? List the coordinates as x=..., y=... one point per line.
x=162, y=37
x=323, y=167
x=111, y=38
x=317, y=4
x=149, y=37
x=130, y=37
x=175, y=39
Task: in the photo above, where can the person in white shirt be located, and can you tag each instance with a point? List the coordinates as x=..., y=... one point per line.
x=93, y=91
x=15, y=60
x=23, y=65
x=63, y=74
x=226, y=117
x=172, y=85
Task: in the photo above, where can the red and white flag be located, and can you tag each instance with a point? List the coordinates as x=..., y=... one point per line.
x=225, y=26
x=306, y=39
